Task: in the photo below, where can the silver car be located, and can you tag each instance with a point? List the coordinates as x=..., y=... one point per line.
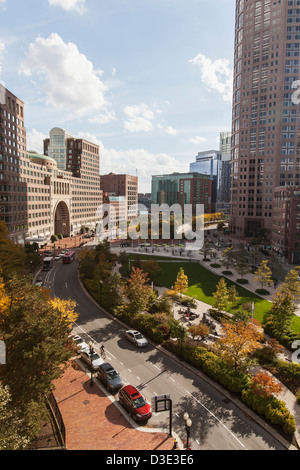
x=91, y=359
x=136, y=337
x=80, y=343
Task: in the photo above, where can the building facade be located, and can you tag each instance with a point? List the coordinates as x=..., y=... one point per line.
x=182, y=188
x=37, y=197
x=286, y=223
x=265, y=117
x=122, y=185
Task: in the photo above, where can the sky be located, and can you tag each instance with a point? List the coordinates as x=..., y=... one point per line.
x=149, y=81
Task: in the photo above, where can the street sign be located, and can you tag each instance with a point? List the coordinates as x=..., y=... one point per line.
x=160, y=403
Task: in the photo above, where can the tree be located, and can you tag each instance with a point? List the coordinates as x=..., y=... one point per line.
x=233, y=295
x=221, y=295
x=281, y=313
x=291, y=284
x=239, y=341
x=152, y=268
x=12, y=256
x=181, y=284
x=206, y=249
x=66, y=309
x=263, y=275
x=37, y=342
x=241, y=260
x=228, y=257
x=263, y=384
x=138, y=291
x=13, y=431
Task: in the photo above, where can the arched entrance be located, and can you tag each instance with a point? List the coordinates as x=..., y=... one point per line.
x=62, y=219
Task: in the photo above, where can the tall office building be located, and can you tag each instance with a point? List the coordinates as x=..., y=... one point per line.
x=265, y=120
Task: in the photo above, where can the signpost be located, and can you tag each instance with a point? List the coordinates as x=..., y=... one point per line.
x=161, y=403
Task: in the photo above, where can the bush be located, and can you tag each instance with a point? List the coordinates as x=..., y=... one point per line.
x=215, y=265
x=227, y=273
x=262, y=292
x=242, y=281
x=272, y=408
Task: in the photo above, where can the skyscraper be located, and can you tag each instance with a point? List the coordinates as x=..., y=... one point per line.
x=265, y=119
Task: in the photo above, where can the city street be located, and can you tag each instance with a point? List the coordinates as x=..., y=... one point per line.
x=217, y=423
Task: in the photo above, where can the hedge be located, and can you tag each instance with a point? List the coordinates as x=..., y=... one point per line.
x=236, y=381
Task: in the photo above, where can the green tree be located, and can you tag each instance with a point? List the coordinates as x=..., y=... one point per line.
x=221, y=295
x=291, y=284
x=12, y=256
x=281, y=313
x=263, y=275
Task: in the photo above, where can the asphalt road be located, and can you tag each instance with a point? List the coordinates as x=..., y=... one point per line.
x=217, y=424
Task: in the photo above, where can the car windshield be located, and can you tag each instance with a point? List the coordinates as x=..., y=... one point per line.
x=112, y=374
x=95, y=356
x=138, y=336
x=78, y=340
x=138, y=402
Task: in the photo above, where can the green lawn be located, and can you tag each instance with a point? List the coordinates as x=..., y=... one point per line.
x=202, y=285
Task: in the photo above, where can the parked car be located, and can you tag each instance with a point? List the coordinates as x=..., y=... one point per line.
x=39, y=282
x=133, y=402
x=136, y=337
x=80, y=343
x=218, y=245
x=58, y=257
x=91, y=359
x=109, y=377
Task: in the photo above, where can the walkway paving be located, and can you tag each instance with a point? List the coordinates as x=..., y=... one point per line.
x=94, y=422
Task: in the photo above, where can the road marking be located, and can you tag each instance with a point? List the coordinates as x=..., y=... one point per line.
x=66, y=285
x=217, y=419
x=138, y=378
x=172, y=379
x=129, y=370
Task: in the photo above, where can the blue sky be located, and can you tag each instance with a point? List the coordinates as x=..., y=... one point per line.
x=148, y=80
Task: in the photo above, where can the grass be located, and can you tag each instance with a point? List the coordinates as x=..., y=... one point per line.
x=202, y=285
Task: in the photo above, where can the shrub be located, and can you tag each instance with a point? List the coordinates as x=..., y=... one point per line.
x=272, y=408
x=227, y=273
x=262, y=292
x=242, y=281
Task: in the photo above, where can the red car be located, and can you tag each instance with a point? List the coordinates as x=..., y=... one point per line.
x=136, y=405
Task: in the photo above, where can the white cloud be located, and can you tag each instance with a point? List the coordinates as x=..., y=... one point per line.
x=170, y=130
x=103, y=118
x=35, y=141
x=70, y=80
x=140, y=118
x=216, y=75
x=3, y=4
x=197, y=140
x=69, y=5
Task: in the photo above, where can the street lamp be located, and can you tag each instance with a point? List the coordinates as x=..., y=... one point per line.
x=188, y=424
x=101, y=286
x=91, y=346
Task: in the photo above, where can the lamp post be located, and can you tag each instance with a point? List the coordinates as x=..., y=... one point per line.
x=101, y=287
x=91, y=346
x=188, y=424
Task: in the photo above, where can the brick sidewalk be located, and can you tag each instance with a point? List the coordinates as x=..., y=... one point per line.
x=93, y=422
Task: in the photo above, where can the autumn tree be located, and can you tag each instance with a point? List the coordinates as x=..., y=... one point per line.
x=238, y=342
x=263, y=275
x=13, y=430
x=221, y=295
x=12, y=256
x=138, y=291
x=232, y=295
x=36, y=336
x=263, y=384
x=181, y=284
x=199, y=331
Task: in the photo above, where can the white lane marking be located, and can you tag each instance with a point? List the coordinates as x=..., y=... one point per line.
x=217, y=419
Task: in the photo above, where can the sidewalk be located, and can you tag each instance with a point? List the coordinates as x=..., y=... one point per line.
x=93, y=422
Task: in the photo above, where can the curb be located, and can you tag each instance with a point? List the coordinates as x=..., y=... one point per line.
x=215, y=385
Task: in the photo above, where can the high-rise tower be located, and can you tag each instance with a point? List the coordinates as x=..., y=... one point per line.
x=265, y=119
